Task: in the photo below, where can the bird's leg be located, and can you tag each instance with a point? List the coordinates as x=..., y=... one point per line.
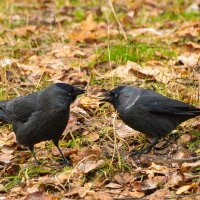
x=146, y=149
x=66, y=161
x=31, y=147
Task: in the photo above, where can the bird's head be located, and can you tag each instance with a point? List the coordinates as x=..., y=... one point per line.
x=112, y=96
x=120, y=97
x=69, y=91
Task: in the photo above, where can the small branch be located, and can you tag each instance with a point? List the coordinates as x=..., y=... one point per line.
x=145, y=198
x=158, y=159
x=183, y=196
x=117, y=19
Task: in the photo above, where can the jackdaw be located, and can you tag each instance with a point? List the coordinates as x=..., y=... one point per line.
x=149, y=112
x=40, y=116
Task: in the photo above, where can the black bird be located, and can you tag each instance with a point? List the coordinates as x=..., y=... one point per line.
x=40, y=116
x=149, y=112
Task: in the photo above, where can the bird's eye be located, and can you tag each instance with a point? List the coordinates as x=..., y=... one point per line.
x=115, y=95
x=69, y=94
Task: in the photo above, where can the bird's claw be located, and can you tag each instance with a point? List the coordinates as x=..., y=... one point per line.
x=37, y=162
x=139, y=152
x=67, y=162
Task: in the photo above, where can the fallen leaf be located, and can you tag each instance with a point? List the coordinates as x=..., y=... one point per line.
x=88, y=31
x=184, y=139
x=87, y=166
x=125, y=131
x=5, y=158
x=33, y=189
x=136, y=194
x=160, y=194
x=89, y=103
x=187, y=59
x=65, y=151
x=188, y=29
x=151, y=70
x=192, y=47
x=113, y=186
x=191, y=165
x=93, y=136
x=185, y=188
x=40, y=196
x=86, y=154
x=23, y=31
x=100, y=196
x=63, y=176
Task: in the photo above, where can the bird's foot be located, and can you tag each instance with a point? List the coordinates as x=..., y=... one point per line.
x=139, y=152
x=37, y=162
x=67, y=162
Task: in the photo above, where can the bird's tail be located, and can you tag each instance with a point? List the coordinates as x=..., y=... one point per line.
x=196, y=111
x=3, y=114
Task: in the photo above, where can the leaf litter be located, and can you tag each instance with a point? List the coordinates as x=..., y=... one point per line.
x=51, y=41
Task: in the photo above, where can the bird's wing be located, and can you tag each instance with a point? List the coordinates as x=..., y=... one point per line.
x=21, y=108
x=160, y=104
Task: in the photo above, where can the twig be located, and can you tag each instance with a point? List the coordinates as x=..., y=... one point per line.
x=115, y=151
x=145, y=198
x=183, y=196
x=158, y=159
x=118, y=22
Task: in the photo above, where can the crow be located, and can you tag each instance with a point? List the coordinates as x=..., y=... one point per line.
x=40, y=116
x=149, y=112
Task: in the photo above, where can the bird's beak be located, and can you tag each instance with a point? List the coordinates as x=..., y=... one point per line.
x=106, y=97
x=79, y=91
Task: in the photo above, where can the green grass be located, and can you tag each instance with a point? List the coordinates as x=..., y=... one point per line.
x=137, y=52
x=172, y=16
x=26, y=173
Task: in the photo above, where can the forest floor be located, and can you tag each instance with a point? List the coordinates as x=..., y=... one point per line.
x=98, y=45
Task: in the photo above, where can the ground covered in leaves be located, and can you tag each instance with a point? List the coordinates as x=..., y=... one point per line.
x=98, y=45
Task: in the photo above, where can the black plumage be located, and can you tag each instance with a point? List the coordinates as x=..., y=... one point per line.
x=40, y=116
x=149, y=112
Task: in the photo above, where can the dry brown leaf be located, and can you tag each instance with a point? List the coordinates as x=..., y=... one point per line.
x=5, y=158
x=136, y=194
x=153, y=70
x=144, y=186
x=185, y=188
x=23, y=31
x=123, y=71
x=125, y=131
x=86, y=154
x=159, y=194
x=66, y=152
x=40, y=196
x=113, y=185
x=140, y=31
x=184, y=139
x=175, y=179
x=33, y=189
x=17, y=189
x=119, y=179
x=191, y=165
x=63, y=176
x=99, y=196
x=87, y=166
x=7, y=61
x=89, y=103
x=188, y=29
x=88, y=31
x=93, y=136
x=188, y=60
x=192, y=47
x=83, y=191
